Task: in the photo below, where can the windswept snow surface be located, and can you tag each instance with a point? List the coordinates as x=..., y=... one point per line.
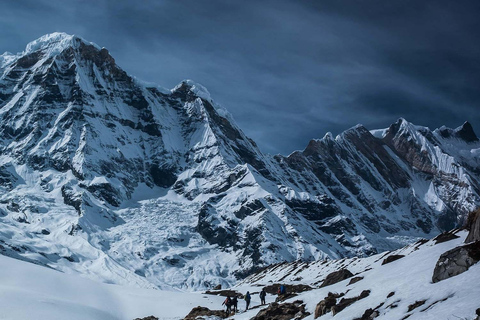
x=32, y=292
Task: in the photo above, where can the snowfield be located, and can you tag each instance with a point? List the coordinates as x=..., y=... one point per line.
x=28, y=291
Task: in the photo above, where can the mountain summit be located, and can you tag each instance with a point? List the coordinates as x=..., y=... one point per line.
x=130, y=183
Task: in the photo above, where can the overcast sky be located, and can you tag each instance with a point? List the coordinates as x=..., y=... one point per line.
x=288, y=71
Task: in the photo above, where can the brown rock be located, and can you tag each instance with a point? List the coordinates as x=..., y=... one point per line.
x=325, y=306
x=202, y=311
x=336, y=276
x=444, y=237
x=294, y=288
x=286, y=296
x=473, y=226
x=224, y=293
x=392, y=258
x=345, y=302
x=354, y=280
x=416, y=304
x=284, y=311
x=369, y=314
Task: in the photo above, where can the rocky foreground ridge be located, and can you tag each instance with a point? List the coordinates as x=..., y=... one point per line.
x=131, y=183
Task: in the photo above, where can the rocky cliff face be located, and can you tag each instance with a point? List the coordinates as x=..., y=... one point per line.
x=129, y=182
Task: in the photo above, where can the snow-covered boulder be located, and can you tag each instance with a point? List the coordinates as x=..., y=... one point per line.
x=456, y=261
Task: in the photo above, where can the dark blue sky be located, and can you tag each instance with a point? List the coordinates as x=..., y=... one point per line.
x=288, y=71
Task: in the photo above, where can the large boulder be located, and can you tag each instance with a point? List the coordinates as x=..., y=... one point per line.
x=445, y=236
x=284, y=297
x=290, y=288
x=456, y=261
x=336, y=276
x=202, y=311
x=369, y=314
x=392, y=258
x=473, y=225
x=325, y=306
x=345, y=302
x=284, y=311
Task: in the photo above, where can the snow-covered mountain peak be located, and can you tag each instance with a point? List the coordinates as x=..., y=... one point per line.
x=56, y=42
x=162, y=186
x=466, y=132
x=194, y=87
x=358, y=130
x=328, y=136
x=403, y=127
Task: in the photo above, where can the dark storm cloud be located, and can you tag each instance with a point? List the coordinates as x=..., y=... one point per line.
x=288, y=71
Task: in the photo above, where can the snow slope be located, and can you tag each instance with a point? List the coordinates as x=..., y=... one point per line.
x=29, y=291
x=410, y=278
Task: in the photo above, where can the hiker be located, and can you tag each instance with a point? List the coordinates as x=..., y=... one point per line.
x=263, y=294
x=247, y=300
x=282, y=290
x=235, y=304
x=228, y=304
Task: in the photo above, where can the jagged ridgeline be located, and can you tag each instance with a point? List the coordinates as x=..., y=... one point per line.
x=128, y=182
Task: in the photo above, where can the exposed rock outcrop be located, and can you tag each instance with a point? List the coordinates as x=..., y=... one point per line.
x=445, y=236
x=369, y=314
x=284, y=311
x=473, y=225
x=354, y=280
x=392, y=258
x=286, y=296
x=345, y=302
x=290, y=288
x=330, y=303
x=224, y=293
x=456, y=261
x=416, y=304
x=203, y=311
x=336, y=276
x=325, y=306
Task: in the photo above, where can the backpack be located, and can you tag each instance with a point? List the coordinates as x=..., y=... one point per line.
x=227, y=301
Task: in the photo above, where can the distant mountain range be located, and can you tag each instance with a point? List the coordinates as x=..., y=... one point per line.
x=130, y=183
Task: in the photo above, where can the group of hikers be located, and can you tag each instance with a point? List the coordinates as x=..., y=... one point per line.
x=231, y=303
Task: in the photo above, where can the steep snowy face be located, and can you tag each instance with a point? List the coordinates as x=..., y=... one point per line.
x=446, y=157
x=128, y=182
x=380, y=189
x=88, y=154
x=70, y=108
